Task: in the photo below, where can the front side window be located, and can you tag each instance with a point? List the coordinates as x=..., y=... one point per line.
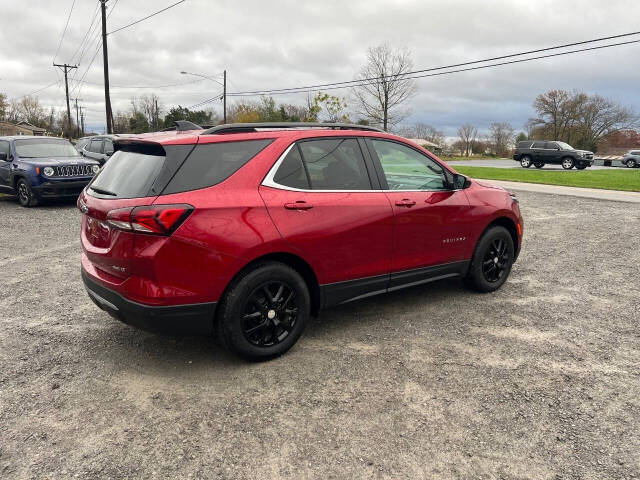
x=95, y=146
x=564, y=146
x=551, y=146
x=108, y=147
x=406, y=169
x=335, y=164
x=636, y=152
x=45, y=147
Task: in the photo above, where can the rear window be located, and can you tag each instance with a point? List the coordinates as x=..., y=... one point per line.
x=128, y=174
x=213, y=163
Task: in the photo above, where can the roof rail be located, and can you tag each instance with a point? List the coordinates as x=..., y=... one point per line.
x=182, y=126
x=254, y=127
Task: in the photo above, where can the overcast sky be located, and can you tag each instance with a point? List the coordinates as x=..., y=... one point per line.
x=288, y=43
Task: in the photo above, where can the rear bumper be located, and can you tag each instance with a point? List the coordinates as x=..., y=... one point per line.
x=61, y=188
x=190, y=319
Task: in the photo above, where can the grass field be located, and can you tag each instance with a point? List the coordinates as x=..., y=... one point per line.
x=626, y=180
x=457, y=159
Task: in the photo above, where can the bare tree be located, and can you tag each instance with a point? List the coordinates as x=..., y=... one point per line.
x=4, y=106
x=425, y=132
x=501, y=135
x=30, y=110
x=468, y=135
x=579, y=119
x=385, y=86
x=150, y=107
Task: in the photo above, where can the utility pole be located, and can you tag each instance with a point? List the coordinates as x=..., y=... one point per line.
x=66, y=68
x=105, y=62
x=77, y=117
x=224, y=96
x=82, y=121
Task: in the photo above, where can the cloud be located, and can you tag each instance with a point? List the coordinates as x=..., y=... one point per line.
x=290, y=43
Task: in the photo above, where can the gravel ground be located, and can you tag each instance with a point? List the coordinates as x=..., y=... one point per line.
x=539, y=380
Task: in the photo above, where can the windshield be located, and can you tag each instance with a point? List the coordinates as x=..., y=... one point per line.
x=564, y=146
x=45, y=147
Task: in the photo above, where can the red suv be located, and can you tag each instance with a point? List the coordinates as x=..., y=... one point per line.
x=249, y=229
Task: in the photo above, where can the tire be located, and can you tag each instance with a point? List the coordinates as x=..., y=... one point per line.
x=256, y=319
x=525, y=162
x=581, y=166
x=25, y=194
x=538, y=164
x=484, y=277
x=568, y=163
x=631, y=163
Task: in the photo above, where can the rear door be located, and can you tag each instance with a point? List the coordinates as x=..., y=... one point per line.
x=320, y=195
x=431, y=222
x=551, y=153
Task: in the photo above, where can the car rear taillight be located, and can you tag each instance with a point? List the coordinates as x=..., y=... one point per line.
x=154, y=219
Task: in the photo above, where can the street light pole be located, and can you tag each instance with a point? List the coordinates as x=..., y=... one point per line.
x=224, y=89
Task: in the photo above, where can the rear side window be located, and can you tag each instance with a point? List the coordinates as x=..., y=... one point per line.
x=524, y=144
x=108, y=147
x=291, y=172
x=335, y=164
x=537, y=145
x=212, y=163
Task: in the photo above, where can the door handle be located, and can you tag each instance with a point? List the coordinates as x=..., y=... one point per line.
x=405, y=202
x=298, y=205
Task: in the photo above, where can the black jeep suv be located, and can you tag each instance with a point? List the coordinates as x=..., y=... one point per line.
x=541, y=152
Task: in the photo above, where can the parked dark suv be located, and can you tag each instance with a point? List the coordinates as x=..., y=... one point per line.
x=99, y=147
x=542, y=152
x=34, y=168
x=252, y=228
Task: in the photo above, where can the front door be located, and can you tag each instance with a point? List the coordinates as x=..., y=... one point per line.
x=431, y=221
x=321, y=200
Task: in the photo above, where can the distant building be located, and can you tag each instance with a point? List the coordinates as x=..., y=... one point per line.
x=432, y=147
x=21, y=128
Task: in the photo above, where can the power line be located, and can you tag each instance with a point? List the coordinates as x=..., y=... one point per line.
x=145, y=86
x=348, y=83
x=217, y=97
x=37, y=91
x=66, y=25
x=148, y=16
x=86, y=35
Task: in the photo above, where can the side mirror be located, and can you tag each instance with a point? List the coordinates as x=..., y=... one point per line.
x=108, y=154
x=460, y=182
x=3, y=156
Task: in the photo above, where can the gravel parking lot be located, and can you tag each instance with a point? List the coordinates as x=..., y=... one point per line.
x=540, y=380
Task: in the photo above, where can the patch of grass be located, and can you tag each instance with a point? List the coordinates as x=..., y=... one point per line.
x=618, y=179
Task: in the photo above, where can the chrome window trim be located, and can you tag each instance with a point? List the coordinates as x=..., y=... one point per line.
x=270, y=182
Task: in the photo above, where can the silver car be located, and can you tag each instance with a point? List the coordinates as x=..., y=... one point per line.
x=632, y=159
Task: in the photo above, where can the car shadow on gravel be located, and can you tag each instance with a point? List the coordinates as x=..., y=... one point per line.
x=43, y=204
x=186, y=355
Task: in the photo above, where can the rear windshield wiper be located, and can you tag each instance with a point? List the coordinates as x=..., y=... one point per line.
x=103, y=192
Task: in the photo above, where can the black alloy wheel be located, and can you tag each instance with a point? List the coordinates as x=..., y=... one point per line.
x=492, y=260
x=631, y=163
x=270, y=314
x=25, y=195
x=264, y=311
x=496, y=261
